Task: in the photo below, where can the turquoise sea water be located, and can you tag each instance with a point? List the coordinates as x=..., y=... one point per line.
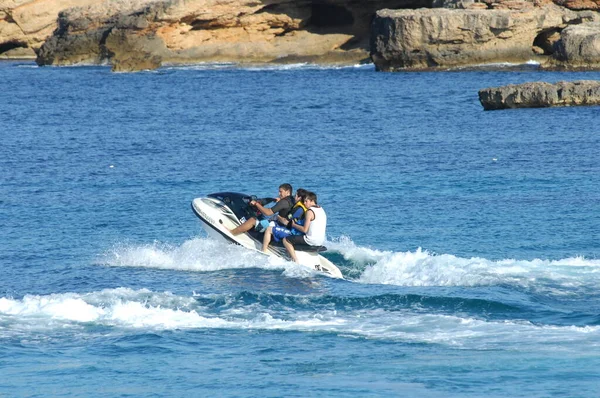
x=469, y=240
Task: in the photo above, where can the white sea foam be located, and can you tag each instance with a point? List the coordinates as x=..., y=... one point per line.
x=411, y=268
x=306, y=66
x=502, y=65
x=421, y=268
x=111, y=307
x=200, y=66
x=200, y=254
x=265, y=67
x=122, y=309
x=357, y=254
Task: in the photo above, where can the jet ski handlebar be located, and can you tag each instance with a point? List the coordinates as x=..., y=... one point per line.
x=262, y=201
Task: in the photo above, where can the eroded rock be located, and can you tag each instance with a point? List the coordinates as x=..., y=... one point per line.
x=541, y=95
x=148, y=33
x=26, y=24
x=579, y=46
x=431, y=38
x=178, y=31
x=579, y=4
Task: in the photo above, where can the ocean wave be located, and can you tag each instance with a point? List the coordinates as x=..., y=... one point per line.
x=111, y=307
x=419, y=268
x=198, y=254
x=265, y=67
x=124, y=309
x=388, y=302
x=528, y=65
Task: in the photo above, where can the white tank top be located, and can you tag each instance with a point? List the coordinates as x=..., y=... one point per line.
x=316, y=230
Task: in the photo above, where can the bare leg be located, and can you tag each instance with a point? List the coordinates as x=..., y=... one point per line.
x=290, y=249
x=267, y=239
x=246, y=226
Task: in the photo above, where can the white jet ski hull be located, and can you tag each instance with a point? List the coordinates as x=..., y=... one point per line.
x=217, y=219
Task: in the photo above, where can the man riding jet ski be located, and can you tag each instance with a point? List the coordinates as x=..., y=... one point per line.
x=222, y=212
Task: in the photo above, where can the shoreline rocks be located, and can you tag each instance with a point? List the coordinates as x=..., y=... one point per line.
x=148, y=33
x=426, y=39
x=26, y=24
x=541, y=95
x=579, y=45
x=394, y=34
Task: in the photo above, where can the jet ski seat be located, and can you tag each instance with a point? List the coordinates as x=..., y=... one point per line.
x=309, y=248
x=302, y=248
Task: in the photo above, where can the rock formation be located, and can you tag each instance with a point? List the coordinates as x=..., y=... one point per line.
x=541, y=95
x=143, y=34
x=127, y=33
x=430, y=38
x=579, y=46
x=26, y=24
x=579, y=4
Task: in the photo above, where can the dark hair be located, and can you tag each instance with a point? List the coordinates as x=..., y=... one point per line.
x=312, y=196
x=287, y=187
x=301, y=193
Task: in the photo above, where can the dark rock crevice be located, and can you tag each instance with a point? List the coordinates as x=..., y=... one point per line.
x=330, y=16
x=284, y=32
x=8, y=17
x=204, y=24
x=11, y=45
x=546, y=40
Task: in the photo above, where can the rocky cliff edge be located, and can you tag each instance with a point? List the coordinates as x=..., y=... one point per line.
x=395, y=34
x=485, y=33
x=140, y=34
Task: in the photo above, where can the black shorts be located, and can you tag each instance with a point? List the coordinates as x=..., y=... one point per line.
x=296, y=240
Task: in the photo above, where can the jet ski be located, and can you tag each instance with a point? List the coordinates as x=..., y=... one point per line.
x=220, y=212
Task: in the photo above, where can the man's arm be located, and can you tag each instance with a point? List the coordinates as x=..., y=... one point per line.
x=282, y=204
x=264, y=210
x=310, y=215
x=297, y=215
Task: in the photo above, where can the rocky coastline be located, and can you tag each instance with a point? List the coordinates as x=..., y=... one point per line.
x=393, y=34
x=445, y=38
x=396, y=35
x=143, y=34
x=541, y=95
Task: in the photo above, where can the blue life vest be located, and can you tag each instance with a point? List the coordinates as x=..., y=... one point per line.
x=297, y=215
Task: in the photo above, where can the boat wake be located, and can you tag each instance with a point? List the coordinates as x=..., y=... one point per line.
x=198, y=254
x=117, y=311
x=569, y=276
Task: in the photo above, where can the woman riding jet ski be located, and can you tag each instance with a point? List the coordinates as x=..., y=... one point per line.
x=224, y=211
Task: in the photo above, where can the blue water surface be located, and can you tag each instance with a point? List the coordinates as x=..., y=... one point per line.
x=469, y=240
